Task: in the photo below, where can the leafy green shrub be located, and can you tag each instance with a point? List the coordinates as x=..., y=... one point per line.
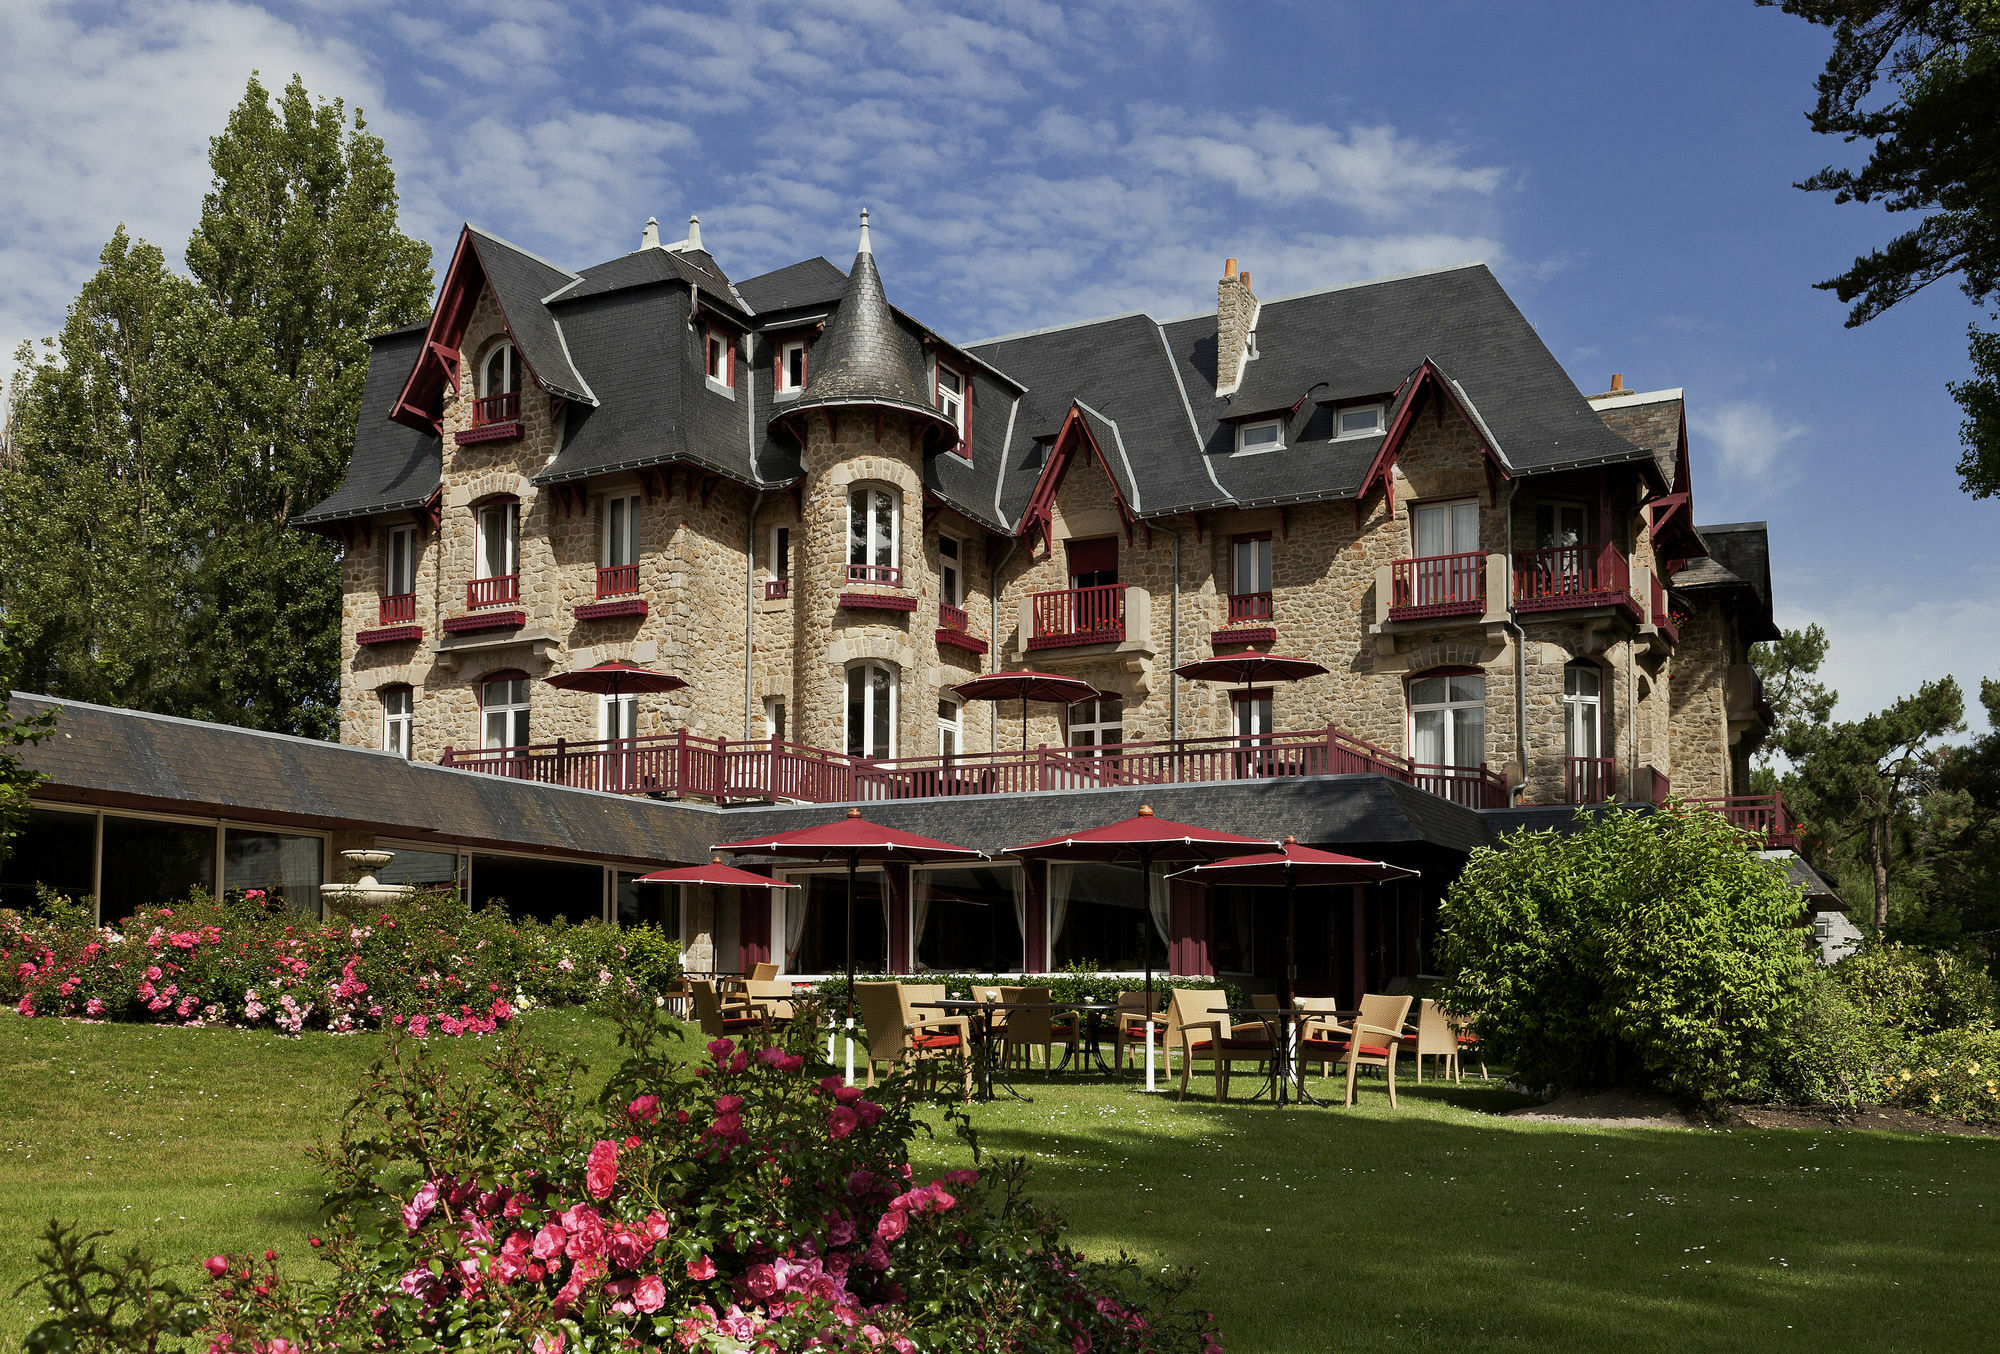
x=653, y=960
x=1918, y=991
x=1955, y=1073
x=1826, y=1050
x=1655, y=950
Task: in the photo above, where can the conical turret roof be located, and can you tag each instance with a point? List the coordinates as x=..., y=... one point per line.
x=864, y=358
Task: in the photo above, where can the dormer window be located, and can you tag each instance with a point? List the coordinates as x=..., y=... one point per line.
x=792, y=367
x=1359, y=420
x=951, y=398
x=1263, y=435
x=499, y=398
x=719, y=361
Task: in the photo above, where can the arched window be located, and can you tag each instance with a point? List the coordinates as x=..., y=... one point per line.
x=1448, y=719
x=503, y=710
x=502, y=373
x=873, y=536
x=871, y=710
x=397, y=716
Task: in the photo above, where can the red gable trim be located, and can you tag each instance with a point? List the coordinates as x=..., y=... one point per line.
x=1426, y=380
x=420, y=405
x=1041, y=504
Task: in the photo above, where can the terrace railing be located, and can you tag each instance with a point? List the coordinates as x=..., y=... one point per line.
x=717, y=768
x=1438, y=585
x=618, y=580
x=777, y=589
x=1589, y=780
x=1070, y=616
x=500, y=591
x=1566, y=576
x=1249, y=606
x=399, y=608
x=886, y=575
x=1760, y=815
x=953, y=617
x=491, y=409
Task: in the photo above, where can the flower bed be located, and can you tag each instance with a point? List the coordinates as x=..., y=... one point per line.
x=428, y=963
x=743, y=1200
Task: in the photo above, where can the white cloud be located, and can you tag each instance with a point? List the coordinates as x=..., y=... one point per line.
x=1884, y=644
x=1750, y=439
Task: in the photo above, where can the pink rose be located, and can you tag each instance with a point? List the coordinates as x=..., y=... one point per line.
x=762, y=1281
x=646, y=1108
x=549, y=1242
x=892, y=1225
x=701, y=1270
x=217, y=1266
x=961, y=1177
x=650, y=1295
x=841, y=1121
x=550, y=1343
x=720, y=1049
x=728, y=1104
x=420, y=1205
x=655, y=1227
x=602, y=1173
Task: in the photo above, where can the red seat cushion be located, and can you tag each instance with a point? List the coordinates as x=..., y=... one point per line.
x=1468, y=1038
x=934, y=1040
x=1337, y=1048
x=1233, y=1046
x=739, y=1022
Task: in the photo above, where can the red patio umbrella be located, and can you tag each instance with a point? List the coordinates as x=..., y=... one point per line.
x=1250, y=668
x=1144, y=841
x=850, y=841
x=616, y=678
x=1027, y=686
x=726, y=876
x=1287, y=868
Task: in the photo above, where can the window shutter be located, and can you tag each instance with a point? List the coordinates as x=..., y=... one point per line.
x=1094, y=556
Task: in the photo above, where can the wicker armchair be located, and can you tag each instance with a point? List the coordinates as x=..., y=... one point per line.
x=902, y=1037
x=1197, y=1018
x=1372, y=1040
x=730, y=1015
x=1435, y=1039
x=1129, y=1027
x=1027, y=1030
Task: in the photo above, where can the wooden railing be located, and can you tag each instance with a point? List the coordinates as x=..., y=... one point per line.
x=716, y=768
x=399, y=608
x=1249, y=606
x=618, y=580
x=953, y=617
x=1760, y=815
x=493, y=591
x=493, y=409
x=1589, y=780
x=887, y=575
x=777, y=589
x=1093, y=615
x=1663, y=615
x=1438, y=585
x=1570, y=576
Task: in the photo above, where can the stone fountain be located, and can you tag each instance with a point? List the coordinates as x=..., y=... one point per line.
x=364, y=895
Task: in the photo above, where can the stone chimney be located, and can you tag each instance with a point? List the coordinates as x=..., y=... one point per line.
x=650, y=237
x=1235, y=323
x=694, y=232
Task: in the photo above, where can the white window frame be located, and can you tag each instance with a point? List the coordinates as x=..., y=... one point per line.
x=1450, y=755
x=628, y=505
x=1583, y=711
x=778, y=563
x=1340, y=413
x=951, y=403
x=774, y=718
x=725, y=384
x=785, y=388
x=1251, y=717
x=871, y=544
x=510, y=371
x=514, y=712
x=1243, y=431
x=1096, y=726
x=951, y=728
x=1257, y=578
x=1454, y=519
x=617, y=716
x=399, y=725
x=869, y=719
x=507, y=514
x=951, y=570
x=402, y=547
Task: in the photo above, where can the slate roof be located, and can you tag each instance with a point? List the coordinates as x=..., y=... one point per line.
x=520, y=280
x=800, y=286
x=394, y=467
x=866, y=357
x=1739, y=556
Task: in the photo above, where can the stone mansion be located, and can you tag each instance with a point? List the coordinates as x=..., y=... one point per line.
x=823, y=515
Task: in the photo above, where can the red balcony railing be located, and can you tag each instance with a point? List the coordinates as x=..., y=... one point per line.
x=1589, y=780
x=777, y=589
x=1078, y=616
x=1249, y=606
x=500, y=591
x=618, y=580
x=491, y=409
x=953, y=617
x=682, y=763
x=1663, y=615
x=399, y=608
x=887, y=575
x=1438, y=585
x=1572, y=576
x=1760, y=815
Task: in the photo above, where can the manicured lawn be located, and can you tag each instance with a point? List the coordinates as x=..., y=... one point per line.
x=1436, y=1226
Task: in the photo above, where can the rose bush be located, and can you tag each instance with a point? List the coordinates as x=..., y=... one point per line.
x=428, y=962
x=743, y=1199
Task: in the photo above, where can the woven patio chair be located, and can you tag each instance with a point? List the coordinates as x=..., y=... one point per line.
x=1199, y=1021
x=1468, y=1041
x=775, y=995
x=727, y=1014
x=1129, y=1027
x=762, y=973
x=1372, y=1040
x=1028, y=1030
x=1320, y=1016
x=1435, y=1039
x=902, y=1037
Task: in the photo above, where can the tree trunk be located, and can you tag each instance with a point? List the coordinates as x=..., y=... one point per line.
x=1878, y=860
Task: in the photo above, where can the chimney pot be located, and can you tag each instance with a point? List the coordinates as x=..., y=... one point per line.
x=1617, y=381
x=1244, y=278
x=1229, y=267
x=650, y=237
x=694, y=232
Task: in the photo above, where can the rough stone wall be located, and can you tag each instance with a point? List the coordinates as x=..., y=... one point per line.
x=1700, y=722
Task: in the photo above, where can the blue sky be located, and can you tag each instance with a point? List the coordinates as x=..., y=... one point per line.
x=1625, y=168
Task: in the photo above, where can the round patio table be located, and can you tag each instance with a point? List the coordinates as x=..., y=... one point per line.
x=1283, y=1026
x=982, y=1027
x=1093, y=1014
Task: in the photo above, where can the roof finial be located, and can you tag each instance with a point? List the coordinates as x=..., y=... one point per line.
x=694, y=232
x=865, y=249
x=650, y=237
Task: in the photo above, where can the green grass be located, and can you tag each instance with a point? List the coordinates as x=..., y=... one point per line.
x=1436, y=1226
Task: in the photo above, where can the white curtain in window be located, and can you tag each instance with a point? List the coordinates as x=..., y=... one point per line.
x=1017, y=880
x=796, y=903
x=920, y=906
x=1159, y=895
x=1061, y=879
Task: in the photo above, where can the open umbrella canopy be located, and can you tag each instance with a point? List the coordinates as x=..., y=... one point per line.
x=616, y=678
x=852, y=838
x=1250, y=668
x=715, y=873
x=1144, y=839
x=1024, y=686
x=1294, y=864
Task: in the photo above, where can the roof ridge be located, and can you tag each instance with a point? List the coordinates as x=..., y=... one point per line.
x=528, y=253
x=1056, y=328
x=201, y=723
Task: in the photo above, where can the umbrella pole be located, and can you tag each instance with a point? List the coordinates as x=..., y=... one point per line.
x=1289, y=1030
x=1146, y=943
x=853, y=863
